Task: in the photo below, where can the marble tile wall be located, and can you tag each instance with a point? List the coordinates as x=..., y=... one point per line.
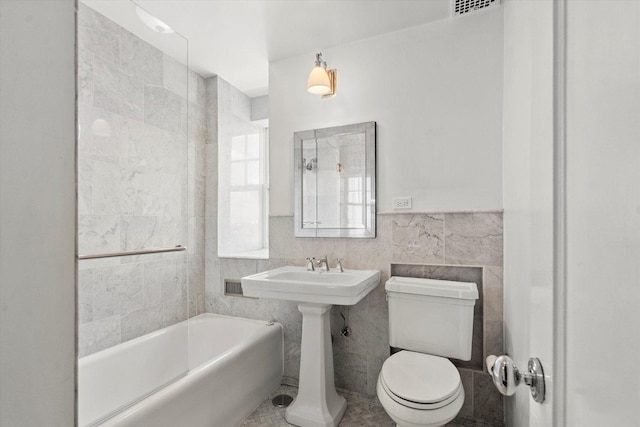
x=455, y=245
x=141, y=178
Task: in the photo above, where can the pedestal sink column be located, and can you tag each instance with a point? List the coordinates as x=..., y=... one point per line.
x=317, y=403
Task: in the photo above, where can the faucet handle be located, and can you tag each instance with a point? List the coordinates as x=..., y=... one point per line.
x=339, y=265
x=310, y=264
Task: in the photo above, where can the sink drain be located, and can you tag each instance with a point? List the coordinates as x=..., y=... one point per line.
x=282, y=401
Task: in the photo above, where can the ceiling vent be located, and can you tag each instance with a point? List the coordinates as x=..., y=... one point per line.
x=462, y=7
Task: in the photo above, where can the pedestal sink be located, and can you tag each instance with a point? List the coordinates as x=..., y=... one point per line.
x=317, y=403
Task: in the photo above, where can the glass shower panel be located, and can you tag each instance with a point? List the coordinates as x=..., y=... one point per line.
x=133, y=195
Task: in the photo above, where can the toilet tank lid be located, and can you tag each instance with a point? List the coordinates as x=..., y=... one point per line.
x=432, y=287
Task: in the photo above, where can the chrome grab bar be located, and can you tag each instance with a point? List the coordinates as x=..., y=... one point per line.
x=178, y=248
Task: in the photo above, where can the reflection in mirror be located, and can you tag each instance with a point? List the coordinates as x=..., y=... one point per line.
x=335, y=181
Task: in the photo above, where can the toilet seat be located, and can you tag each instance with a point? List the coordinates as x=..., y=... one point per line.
x=418, y=405
x=422, y=380
x=419, y=389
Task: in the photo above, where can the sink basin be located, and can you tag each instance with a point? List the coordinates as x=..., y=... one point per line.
x=300, y=285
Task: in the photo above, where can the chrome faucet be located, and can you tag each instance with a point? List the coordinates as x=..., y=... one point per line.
x=310, y=266
x=323, y=261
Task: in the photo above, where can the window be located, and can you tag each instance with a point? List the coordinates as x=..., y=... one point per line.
x=243, y=196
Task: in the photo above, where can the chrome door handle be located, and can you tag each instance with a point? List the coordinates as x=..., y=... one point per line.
x=507, y=377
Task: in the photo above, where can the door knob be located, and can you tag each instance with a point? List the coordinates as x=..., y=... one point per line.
x=507, y=377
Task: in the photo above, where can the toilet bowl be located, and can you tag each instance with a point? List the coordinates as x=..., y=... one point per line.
x=418, y=389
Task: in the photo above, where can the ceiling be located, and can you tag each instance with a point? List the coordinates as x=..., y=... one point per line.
x=236, y=39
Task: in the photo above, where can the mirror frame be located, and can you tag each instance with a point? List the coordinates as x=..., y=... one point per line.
x=369, y=130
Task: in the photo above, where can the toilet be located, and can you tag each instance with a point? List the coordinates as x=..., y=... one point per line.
x=430, y=320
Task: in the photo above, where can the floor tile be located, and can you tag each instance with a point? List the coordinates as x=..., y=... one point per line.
x=361, y=412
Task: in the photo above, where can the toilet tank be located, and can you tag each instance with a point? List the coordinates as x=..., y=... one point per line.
x=431, y=316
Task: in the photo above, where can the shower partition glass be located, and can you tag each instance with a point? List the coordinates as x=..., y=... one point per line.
x=133, y=185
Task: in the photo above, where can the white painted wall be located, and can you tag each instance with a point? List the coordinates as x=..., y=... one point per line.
x=435, y=92
x=37, y=213
x=603, y=188
x=528, y=199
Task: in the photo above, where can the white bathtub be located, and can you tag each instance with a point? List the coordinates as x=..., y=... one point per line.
x=233, y=365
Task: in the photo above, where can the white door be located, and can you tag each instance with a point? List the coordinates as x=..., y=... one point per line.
x=591, y=191
x=528, y=155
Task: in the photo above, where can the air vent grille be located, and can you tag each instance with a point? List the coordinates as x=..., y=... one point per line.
x=233, y=287
x=461, y=7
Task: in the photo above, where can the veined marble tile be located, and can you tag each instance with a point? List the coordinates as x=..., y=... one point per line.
x=232, y=100
x=85, y=77
x=106, y=188
x=132, y=192
x=100, y=133
x=117, y=91
x=199, y=164
x=98, y=34
x=172, y=282
x=291, y=359
x=197, y=278
x=197, y=89
x=163, y=194
x=152, y=283
x=117, y=290
x=90, y=264
x=151, y=149
x=141, y=322
x=488, y=403
x=418, y=238
x=493, y=293
x=235, y=269
x=199, y=243
x=85, y=296
x=199, y=198
x=98, y=234
x=374, y=366
x=141, y=232
x=473, y=238
x=211, y=88
x=467, y=383
x=184, y=116
x=282, y=243
x=176, y=77
x=493, y=311
x=350, y=371
x=163, y=108
x=174, y=311
x=139, y=57
x=223, y=95
x=85, y=187
x=98, y=335
x=197, y=123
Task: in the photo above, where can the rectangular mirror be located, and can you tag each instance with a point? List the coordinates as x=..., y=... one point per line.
x=335, y=181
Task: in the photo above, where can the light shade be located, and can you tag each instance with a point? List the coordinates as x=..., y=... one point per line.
x=319, y=82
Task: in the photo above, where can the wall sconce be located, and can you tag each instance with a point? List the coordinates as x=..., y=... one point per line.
x=322, y=81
